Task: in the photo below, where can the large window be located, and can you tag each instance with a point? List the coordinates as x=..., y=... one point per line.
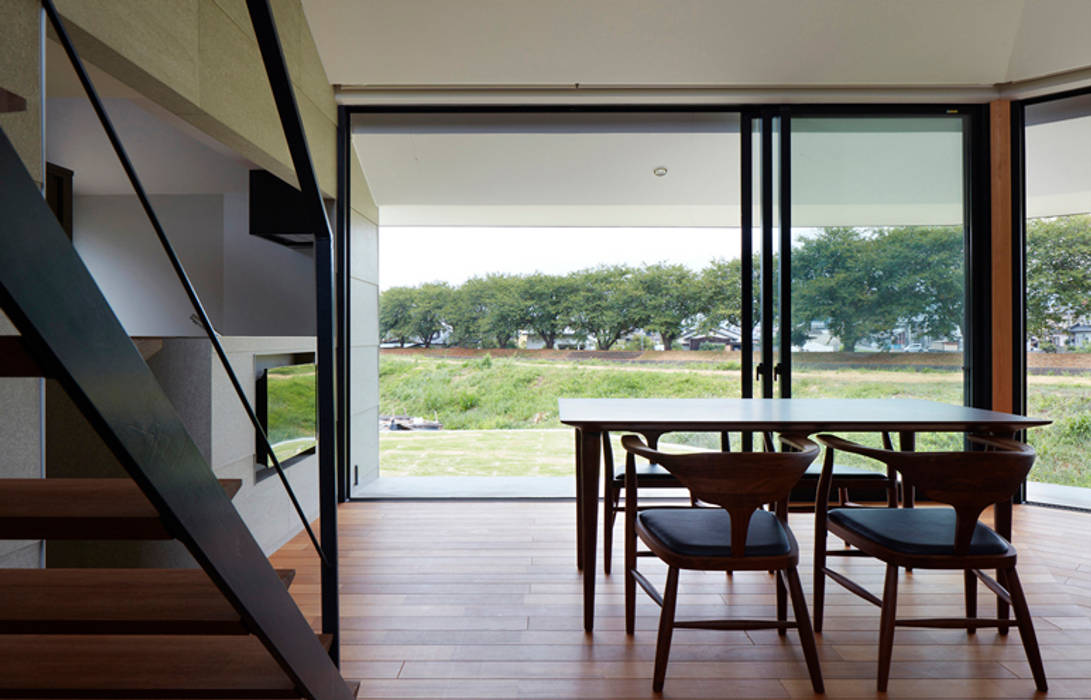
x=1058, y=297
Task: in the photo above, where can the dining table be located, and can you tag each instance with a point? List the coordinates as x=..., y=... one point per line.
x=654, y=417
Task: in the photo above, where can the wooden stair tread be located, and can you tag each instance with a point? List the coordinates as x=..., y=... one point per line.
x=10, y=102
x=81, y=509
x=116, y=601
x=186, y=666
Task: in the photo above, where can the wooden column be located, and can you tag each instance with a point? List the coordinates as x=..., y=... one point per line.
x=1003, y=330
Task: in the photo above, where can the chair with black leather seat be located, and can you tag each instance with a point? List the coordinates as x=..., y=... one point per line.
x=846, y=477
x=649, y=476
x=736, y=536
x=933, y=538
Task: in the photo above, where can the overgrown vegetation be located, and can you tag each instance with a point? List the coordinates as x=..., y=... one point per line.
x=516, y=395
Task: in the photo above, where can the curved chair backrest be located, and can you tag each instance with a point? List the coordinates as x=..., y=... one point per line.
x=740, y=482
x=968, y=481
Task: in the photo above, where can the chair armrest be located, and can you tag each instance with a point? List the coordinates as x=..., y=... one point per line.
x=836, y=443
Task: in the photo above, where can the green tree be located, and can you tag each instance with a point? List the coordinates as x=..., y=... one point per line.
x=721, y=285
x=1058, y=273
x=432, y=304
x=547, y=304
x=396, y=314
x=673, y=300
x=923, y=278
x=607, y=303
x=835, y=279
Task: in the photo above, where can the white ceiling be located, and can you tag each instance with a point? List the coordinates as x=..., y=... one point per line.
x=709, y=43
x=597, y=170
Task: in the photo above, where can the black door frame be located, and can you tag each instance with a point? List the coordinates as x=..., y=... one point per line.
x=1019, y=258
x=978, y=361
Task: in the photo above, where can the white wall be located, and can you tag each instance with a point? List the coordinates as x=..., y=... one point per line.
x=119, y=247
x=268, y=288
x=364, y=351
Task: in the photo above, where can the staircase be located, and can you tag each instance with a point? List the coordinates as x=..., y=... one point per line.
x=155, y=633
x=226, y=630
x=121, y=633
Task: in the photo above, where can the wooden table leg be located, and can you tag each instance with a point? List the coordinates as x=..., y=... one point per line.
x=579, y=502
x=907, y=442
x=590, y=447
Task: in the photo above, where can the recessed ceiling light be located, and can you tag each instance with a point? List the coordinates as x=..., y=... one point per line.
x=660, y=171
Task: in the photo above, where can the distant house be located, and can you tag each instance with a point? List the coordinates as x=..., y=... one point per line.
x=729, y=338
x=1080, y=334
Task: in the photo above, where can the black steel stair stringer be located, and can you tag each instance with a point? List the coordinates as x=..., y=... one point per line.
x=69, y=327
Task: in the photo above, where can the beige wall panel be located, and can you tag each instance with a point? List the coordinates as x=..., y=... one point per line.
x=310, y=77
x=234, y=90
x=322, y=141
x=151, y=41
x=20, y=48
x=360, y=194
x=288, y=15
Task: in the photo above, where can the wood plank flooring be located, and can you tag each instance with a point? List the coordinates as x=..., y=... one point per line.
x=482, y=600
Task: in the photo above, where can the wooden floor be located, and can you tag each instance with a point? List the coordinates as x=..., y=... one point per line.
x=482, y=600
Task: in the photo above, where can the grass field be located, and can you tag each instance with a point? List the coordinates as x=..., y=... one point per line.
x=500, y=414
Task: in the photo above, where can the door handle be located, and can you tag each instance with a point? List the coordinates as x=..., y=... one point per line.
x=778, y=368
x=759, y=370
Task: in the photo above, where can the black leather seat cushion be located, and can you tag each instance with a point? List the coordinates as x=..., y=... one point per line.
x=706, y=532
x=815, y=470
x=927, y=531
x=647, y=472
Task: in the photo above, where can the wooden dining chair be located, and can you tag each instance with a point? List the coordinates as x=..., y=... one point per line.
x=738, y=535
x=648, y=476
x=933, y=538
x=846, y=478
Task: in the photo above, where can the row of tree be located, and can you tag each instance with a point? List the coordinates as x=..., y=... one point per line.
x=862, y=283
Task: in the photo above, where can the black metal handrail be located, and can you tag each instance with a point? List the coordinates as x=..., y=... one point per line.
x=272, y=54
x=175, y=262
x=69, y=328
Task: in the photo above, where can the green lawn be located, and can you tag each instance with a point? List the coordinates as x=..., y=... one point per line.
x=500, y=415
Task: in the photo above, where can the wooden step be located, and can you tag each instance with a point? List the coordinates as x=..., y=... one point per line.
x=82, y=509
x=139, y=666
x=10, y=102
x=116, y=601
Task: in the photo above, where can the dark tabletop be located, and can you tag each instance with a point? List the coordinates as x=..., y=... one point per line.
x=803, y=415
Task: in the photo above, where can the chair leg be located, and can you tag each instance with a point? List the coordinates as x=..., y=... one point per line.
x=886, y=625
x=1026, y=628
x=819, y=573
x=782, y=603
x=610, y=499
x=630, y=580
x=970, y=584
x=666, y=629
x=806, y=634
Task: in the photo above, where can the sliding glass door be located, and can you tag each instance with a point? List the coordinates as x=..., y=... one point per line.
x=860, y=237
x=1057, y=156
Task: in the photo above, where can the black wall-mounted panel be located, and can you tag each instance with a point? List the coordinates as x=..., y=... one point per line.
x=277, y=210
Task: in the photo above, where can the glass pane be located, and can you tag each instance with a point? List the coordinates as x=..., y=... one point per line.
x=1058, y=301
x=877, y=264
x=527, y=257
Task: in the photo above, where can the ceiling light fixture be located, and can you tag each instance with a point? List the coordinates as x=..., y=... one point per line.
x=660, y=171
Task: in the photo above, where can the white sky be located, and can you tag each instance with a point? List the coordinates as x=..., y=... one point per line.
x=409, y=256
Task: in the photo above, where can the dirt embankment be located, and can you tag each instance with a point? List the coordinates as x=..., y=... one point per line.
x=1038, y=362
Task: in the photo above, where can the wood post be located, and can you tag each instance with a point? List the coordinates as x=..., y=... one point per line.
x=1003, y=340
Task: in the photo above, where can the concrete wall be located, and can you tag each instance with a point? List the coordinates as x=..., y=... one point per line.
x=202, y=395
x=21, y=419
